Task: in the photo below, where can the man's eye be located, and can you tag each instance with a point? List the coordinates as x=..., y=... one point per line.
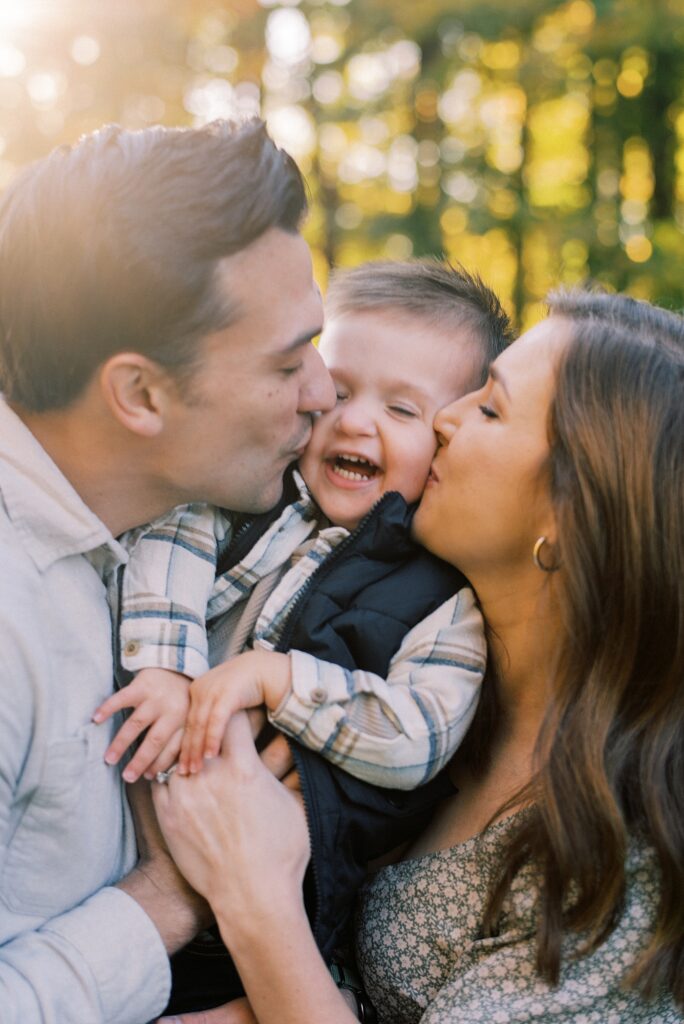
x=288, y=371
x=342, y=396
x=488, y=412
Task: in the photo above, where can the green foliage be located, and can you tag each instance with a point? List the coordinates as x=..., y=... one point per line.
x=536, y=142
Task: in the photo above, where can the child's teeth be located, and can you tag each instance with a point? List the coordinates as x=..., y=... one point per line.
x=348, y=475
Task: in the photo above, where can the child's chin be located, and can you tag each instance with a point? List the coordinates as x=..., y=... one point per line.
x=347, y=512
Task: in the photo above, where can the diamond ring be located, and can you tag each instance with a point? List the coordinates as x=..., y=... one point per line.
x=163, y=777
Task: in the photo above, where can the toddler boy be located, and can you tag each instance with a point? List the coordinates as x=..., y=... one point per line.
x=401, y=341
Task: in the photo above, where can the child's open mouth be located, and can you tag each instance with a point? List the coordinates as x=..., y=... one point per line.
x=353, y=467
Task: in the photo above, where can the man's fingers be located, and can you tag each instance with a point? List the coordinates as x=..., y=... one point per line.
x=147, y=831
x=277, y=757
x=139, y=798
x=292, y=781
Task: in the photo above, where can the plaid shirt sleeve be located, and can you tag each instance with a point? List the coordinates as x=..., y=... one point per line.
x=400, y=731
x=166, y=588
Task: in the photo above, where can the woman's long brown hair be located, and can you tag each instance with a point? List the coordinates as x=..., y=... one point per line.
x=611, y=750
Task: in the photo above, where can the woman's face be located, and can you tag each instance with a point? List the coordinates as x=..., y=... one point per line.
x=487, y=498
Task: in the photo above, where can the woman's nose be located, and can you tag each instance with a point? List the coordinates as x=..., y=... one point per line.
x=446, y=422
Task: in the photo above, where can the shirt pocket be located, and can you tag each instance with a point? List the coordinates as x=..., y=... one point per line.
x=56, y=857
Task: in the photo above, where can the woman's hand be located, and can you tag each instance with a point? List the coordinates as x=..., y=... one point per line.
x=238, y=835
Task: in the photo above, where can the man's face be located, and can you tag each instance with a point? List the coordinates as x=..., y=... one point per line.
x=248, y=408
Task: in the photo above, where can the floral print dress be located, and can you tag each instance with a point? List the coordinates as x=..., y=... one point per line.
x=423, y=958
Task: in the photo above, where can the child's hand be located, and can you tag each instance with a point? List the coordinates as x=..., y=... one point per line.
x=160, y=700
x=246, y=681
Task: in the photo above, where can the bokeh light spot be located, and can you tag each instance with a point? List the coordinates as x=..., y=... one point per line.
x=85, y=50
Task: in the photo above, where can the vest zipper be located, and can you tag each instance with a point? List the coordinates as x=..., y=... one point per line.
x=283, y=646
x=306, y=800
x=323, y=569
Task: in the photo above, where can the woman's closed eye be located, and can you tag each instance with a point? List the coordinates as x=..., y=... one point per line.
x=487, y=411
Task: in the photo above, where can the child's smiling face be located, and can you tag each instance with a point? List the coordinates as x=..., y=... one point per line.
x=392, y=374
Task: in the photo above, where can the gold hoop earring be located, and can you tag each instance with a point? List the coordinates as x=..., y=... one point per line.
x=536, y=550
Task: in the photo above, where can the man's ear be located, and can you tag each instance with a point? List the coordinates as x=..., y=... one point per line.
x=136, y=391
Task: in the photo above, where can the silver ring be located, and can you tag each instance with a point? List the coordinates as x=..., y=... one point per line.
x=163, y=777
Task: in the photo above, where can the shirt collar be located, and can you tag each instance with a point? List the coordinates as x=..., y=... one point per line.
x=50, y=518
x=305, y=498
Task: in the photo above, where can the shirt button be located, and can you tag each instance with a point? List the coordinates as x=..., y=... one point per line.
x=319, y=695
x=132, y=647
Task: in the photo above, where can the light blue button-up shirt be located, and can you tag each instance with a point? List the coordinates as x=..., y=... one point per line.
x=73, y=950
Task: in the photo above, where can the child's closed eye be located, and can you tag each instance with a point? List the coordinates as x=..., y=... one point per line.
x=404, y=410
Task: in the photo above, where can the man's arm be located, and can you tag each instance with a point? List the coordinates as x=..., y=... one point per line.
x=177, y=911
x=73, y=948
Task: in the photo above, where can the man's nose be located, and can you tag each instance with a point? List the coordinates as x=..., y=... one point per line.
x=317, y=392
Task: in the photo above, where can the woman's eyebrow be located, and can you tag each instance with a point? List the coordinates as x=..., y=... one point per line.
x=496, y=376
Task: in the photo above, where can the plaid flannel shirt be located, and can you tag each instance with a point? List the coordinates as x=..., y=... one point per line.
x=398, y=732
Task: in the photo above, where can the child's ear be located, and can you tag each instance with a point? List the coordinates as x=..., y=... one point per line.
x=136, y=391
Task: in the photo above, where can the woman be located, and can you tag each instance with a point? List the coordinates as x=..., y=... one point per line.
x=550, y=885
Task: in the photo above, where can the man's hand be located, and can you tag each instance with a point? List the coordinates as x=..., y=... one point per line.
x=246, y=681
x=175, y=909
x=160, y=700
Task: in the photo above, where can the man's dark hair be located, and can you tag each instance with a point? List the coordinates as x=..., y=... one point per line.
x=442, y=296
x=113, y=245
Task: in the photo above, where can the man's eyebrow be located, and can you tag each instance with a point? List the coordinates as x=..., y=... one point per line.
x=302, y=339
x=495, y=374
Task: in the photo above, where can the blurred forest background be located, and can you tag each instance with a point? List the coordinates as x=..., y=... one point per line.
x=537, y=142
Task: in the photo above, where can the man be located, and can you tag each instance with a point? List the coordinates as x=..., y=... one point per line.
x=156, y=315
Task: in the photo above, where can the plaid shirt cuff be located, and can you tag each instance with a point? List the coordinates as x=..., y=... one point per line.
x=177, y=646
x=314, y=684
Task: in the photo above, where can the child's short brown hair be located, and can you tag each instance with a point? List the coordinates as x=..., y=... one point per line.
x=431, y=290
